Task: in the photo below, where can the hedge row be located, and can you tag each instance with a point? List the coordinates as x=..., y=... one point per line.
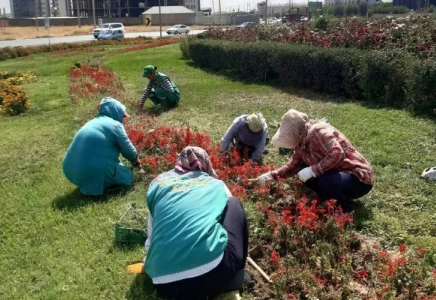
x=13, y=52
x=388, y=79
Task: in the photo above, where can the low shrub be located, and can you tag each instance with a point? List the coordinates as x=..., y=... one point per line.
x=420, y=88
x=13, y=52
x=374, y=76
x=13, y=99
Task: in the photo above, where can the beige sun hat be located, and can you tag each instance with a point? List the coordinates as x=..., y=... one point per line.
x=290, y=130
x=255, y=122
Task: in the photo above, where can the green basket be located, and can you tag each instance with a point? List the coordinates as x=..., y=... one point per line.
x=126, y=234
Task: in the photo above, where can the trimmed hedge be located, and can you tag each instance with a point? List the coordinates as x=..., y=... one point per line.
x=385, y=79
x=13, y=52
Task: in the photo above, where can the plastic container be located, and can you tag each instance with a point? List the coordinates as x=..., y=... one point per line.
x=131, y=227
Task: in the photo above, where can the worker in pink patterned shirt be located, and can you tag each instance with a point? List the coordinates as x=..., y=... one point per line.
x=323, y=158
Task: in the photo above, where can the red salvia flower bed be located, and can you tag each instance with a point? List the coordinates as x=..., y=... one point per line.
x=309, y=249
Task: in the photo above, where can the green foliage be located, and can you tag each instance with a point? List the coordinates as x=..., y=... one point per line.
x=13, y=52
x=375, y=76
x=321, y=23
x=387, y=8
x=58, y=244
x=382, y=78
x=421, y=91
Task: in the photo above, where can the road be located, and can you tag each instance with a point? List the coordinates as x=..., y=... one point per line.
x=78, y=38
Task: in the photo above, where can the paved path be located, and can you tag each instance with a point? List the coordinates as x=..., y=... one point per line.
x=78, y=38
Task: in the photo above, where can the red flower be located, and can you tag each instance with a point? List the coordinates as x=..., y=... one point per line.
x=362, y=274
x=420, y=252
x=402, y=248
x=275, y=257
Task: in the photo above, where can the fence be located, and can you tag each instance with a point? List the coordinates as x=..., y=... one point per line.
x=225, y=19
x=69, y=21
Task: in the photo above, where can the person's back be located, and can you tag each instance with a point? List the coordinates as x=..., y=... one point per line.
x=186, y=231
x=197, y=232
x=92, y=160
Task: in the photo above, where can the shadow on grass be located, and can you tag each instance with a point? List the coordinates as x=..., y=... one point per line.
x=310, y=94
x=75, y=199
x=142, y=289
x=125, y=247
x=273, y=82
x=362, y=213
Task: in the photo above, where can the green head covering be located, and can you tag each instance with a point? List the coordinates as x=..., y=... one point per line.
x=148, y=70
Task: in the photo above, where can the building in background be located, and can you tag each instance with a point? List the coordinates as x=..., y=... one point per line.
x=119, y=8
x=414, y=4
x=170, y=15
x=22, y=8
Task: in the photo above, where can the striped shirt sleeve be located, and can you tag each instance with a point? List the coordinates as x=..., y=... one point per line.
x=167, y=86
x=146, y=93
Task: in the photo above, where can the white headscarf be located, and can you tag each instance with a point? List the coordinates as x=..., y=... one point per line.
x=291, y=128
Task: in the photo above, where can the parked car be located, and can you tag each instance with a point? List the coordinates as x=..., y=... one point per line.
x=96, y=32
x=110, y=34
x=246, y=24
x=179, y=28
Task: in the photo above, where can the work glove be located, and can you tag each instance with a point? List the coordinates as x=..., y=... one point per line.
x=305, y=174
x=263, y=179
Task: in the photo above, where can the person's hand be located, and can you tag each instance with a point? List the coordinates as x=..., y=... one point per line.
x=263, y=179
x=139, y=107
x=137, y=163
x=305, y=174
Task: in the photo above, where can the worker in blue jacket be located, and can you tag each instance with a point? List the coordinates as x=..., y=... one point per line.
x=248, y=134
x=197, y=232
x=92, y=159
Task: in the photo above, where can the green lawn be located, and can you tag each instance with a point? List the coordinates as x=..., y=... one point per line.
x=57, y=244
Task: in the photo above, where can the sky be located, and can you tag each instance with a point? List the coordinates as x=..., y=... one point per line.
x=5, y=4
x=226, y=5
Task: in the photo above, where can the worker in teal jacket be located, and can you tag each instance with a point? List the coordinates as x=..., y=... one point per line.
x=92, y=160
x=160, y=89
x=197, y=232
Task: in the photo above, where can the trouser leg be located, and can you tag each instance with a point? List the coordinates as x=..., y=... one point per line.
x=342, y=186
x=118, y=175
x=167, y=99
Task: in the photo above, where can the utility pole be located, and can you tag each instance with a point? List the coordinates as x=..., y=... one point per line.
x=93, y=12
x=78, y=14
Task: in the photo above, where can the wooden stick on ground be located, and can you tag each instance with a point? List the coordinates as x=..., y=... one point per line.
x=251, y=262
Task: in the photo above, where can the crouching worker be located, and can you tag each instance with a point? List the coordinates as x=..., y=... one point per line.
x=160, y=89
x=324, y=159
x=248, y=134
x=92, y=160
x=197, y=232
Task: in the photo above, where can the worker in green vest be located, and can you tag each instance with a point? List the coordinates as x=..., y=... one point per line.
x=160, y=89
x=197, y=242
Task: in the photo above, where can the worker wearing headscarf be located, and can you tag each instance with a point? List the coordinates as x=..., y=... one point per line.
x=323, y=158
x=160, y=89
x=248, y=134
x=197, y=232
x=92, y=159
